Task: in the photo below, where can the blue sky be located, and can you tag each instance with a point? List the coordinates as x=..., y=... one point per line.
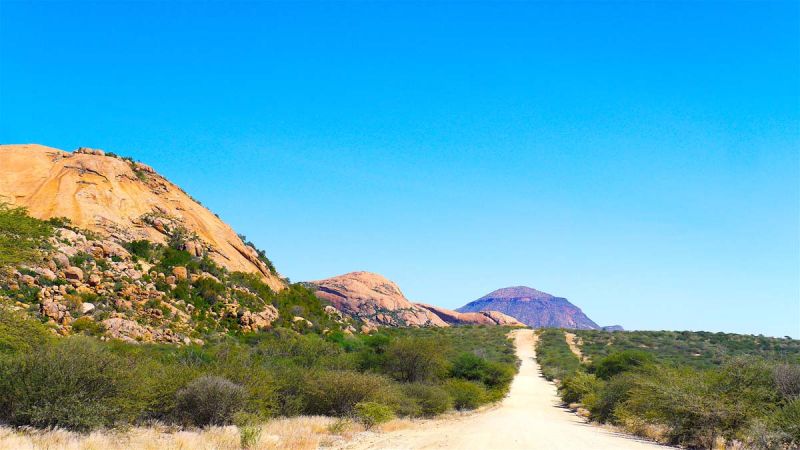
x=641, y=159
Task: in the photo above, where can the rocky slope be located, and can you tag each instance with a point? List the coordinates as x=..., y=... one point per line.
x=472, y=318
x=534, y=308
x=125, y=254
x=120, y=199
x=374, y=300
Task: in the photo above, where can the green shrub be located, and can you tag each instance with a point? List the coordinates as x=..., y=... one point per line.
x=428, y=400
x=576, y=387
x=20, y=333
x=76, y=384
x=621, y=362
x=209, y=400
x=87, y=325
x=249, y=426
x=173, y=258
x=413, y=359
x=141, y=248
x=554, y=356
x=465, y=394
x=336, y=392
x=787, y=422
x=21, y=236
x=603, y=405
x=472, y=367
x=371, y=414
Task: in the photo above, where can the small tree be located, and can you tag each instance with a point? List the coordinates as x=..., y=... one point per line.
x=410, y=360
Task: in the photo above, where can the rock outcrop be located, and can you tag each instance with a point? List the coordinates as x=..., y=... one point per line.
x=473, y=318
x=533, y=308
x=122, y=200
x=374, y=300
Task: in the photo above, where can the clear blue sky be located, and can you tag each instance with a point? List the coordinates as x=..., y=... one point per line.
x=641, y=159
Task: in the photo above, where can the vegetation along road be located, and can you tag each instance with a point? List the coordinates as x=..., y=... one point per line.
x=530, y=417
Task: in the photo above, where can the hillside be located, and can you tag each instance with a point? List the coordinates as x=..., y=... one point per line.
x=91, y=243
x=533, y=308
x=123, y=200
x=373, y=299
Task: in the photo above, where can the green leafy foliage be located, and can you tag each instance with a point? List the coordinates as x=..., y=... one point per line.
x=619, y=362
x=553, y=353
x=22, y=237
x=696, y=388
x=372, y=413
x=83, y=383
x=77, y=383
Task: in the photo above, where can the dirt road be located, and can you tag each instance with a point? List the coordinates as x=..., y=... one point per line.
x=528, y=418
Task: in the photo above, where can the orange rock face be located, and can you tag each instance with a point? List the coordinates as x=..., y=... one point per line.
x=120, y=199
x=375, y=300
x=473, y=318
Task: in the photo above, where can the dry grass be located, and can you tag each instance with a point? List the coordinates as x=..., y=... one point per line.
x=297, y=433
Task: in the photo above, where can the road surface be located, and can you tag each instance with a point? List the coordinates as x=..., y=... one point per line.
x=528, y=418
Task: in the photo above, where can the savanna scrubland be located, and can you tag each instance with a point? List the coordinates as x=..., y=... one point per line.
x=694, y=389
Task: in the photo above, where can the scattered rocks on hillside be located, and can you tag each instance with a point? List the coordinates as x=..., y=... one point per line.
x=258, y=321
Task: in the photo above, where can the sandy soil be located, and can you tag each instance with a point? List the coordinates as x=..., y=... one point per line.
x=528, y=418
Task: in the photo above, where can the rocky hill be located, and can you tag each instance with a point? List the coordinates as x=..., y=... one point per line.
x=534, y=308
x=374, y=300
x=123, y=200
x=472, y=318
x=97, y=244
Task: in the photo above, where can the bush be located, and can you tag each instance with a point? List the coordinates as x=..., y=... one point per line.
x=20, y=333
x=603, y=405
x=472, y=367
x=465, y=394
x=371, y=414
x=429, y=400
x=76, y=384
x=173, y=258
x=21, y=236
x=141, y=248
x=209, y=400
x=621, y=362
x=88, y=326
x=556, y=359
x=787, y=422
x=336, y=392
x=410, y=360
x=787, y=380
x=576, y=387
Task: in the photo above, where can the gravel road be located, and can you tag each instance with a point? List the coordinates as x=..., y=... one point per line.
x=528, y=418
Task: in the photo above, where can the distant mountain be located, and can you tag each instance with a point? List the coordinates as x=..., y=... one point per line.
x=533, y=308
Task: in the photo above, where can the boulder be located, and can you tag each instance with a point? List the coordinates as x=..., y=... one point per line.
x=94, y=279
x=258, y=321
x=73, y=273
x=61, y=261
x=180, y=273
x=87, y=307
x=47, y=274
